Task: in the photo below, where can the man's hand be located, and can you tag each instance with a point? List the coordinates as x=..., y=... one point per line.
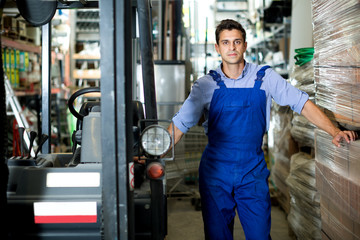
x=346, y=135
x=318, y=117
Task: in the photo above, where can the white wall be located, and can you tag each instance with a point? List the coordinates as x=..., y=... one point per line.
x=301, y=27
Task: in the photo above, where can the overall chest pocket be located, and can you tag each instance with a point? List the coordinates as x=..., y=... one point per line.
x=237, y=99
x=237, y=105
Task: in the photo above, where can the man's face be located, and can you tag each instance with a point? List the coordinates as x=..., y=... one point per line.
x=231, y=46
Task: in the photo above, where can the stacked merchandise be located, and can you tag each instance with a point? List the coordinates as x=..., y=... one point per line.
x=302, y=131
x=304, y=216
x=337, y=57
x=337, y=75
x=302, y=77
x=281, y=147
x=22, y=68
x=338, y=183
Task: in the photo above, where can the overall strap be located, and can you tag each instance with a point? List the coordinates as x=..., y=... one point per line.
x=259, y=76
x=217, y=78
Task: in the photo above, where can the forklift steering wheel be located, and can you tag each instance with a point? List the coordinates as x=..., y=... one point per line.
x=77, y=94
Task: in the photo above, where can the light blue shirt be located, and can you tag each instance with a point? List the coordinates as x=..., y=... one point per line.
x=275, y=87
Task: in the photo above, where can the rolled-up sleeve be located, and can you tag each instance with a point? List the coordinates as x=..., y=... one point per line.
x=191, y=111
x=284, y=93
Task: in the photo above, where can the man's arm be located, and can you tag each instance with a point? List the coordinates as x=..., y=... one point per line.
x=177, y=136
x=177, y=133
x=317, y=117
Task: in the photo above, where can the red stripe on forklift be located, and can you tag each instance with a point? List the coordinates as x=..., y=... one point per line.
x=66, y=219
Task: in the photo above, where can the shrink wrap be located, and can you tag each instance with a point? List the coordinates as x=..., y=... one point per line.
x=338, y=183
x=336, y=27
x=304, y=216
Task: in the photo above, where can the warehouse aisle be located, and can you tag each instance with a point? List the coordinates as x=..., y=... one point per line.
x=184, y=223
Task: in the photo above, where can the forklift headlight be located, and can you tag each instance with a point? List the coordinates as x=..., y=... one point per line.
x=155, y=140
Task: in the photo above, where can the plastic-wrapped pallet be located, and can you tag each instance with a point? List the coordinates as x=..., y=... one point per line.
x=336, y=26
x=281, y=147
x=279, y=131
x=304, y=216
x=338, y=182
x=302, y=77
x=302, y=130
x=336, y=32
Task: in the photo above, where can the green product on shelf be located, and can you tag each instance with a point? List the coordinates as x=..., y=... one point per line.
x=26, y=61
x=8, y=58
x=17, y=59
x=4, y=59
x=12, y=59
x=22, y=61
x=303, y=55
x=12, y=73
x=17, y=78
x=8, y=74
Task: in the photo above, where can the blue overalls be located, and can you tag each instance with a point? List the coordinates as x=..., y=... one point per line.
x=233, y=172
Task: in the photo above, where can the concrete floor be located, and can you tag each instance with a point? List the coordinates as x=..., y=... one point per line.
x=184, y=223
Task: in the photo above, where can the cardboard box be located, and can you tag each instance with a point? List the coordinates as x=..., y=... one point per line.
x=344, y=161
x=336, y=26
x=335, y=223
x=342, y=99
x=340, y=191
x=9, y=24
x=21, y=28
x=283, y=195
x=346, y=55
x=354, y=162
x=324, y=236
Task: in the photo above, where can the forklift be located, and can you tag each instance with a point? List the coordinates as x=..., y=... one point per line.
x=98, y=191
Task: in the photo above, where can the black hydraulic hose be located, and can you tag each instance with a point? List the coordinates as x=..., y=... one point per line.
x=147, y=58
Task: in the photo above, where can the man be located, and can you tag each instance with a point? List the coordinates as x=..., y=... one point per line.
x=236, y=100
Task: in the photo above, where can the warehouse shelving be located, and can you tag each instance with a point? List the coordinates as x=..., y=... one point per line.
x=85, y=52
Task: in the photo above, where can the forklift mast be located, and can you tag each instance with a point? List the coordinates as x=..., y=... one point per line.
x=117, y=30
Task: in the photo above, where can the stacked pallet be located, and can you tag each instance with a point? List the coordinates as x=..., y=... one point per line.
x=338, y=182
x=281, y=147
x=337, y=58
x=302, y=77
x=304, y=216
x=337, y=74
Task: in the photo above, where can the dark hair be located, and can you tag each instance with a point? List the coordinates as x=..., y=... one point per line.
x=229, y=24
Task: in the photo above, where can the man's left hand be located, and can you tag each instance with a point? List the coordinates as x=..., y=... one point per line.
x=348, y=136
